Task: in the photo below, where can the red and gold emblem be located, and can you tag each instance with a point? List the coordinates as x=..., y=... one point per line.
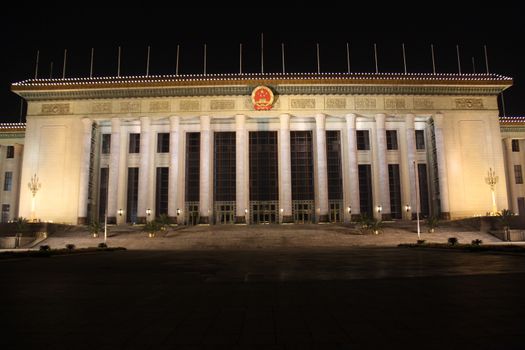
x=262, y=98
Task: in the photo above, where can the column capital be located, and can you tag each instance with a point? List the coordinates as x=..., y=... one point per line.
x=409, y=120
x=145, y=121
x=115, y=125
x=320, y=119
x=205, y=122
x=380, y=120
x=438, y=120
x=350, y=119
x=285, y=120
x=87, y=123
x=174, y=122
x=240, y=121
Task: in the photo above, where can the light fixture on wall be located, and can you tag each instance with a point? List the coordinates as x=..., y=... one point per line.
x=120, y=212
x=407, y=208
x=178, y=211
x=148, y=212
x=349, y=209
x=379, y=208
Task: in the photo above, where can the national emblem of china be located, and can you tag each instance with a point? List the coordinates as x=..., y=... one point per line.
x=262, y=98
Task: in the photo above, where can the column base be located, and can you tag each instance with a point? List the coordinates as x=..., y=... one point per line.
x=141, y=220
x=240, y=219
x=82, y=220
x=112, y=220
x=204, y=220
x=287, y=219
x=387, y=216
x=444, y=215
x=323, y=219
x=355, y=217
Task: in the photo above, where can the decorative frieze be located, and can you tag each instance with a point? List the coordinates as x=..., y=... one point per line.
x=129, y=106
x=395, y=103
x=159, y=106
x=55, y=108
x=190, y=105
x=469, y=103
x=423, y=103
x=101, y=107
x=302, y=103
x=335, y=103
x=222, y=105
x=365, y=103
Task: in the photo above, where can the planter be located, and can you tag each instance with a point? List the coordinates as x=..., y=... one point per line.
x=151, y=234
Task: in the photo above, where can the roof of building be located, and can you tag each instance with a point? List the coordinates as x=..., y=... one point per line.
x=7, y=127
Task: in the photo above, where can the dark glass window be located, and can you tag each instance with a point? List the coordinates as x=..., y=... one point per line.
x=391, y=140
x=302, y=165
x=420, y=139
x=518, y=176
x=515, y=145
x=134, y=143
x=363, y=140
x=365, y=189
x=5, y=212
x=103, y=193
x=163, y=142
x=10, y=152
x=333, y=162
x=133, y=194
x=161, y=191
x=106, y=143
x=8, y=181
x=264, y=185
x=193, y=147
x=224, y=167
x=423, y=189
x=395, y=190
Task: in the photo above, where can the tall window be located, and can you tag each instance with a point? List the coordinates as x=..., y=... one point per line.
x=423, y=189
x=395, y=190
x=518, y=176
x=333, y=160
x=302, y=165
x=134, y=143
x=264, y=184
x=8, y=181
x=106, y=143
x=10, y=152
x=161, y=191
x=515, y=145
x=391, y=140
x=224, y=169
x=420, y=139
x=363, y=140
x=193, y=147
x=365, y=189
x=163, y=142
x=133, y=195
x=5, y=212
x=103, y=193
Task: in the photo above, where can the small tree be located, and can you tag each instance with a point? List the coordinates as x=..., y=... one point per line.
x=504, y=218
x=376, y=226
x=432, y=223
x=152, y=227
x=164, y=221
x=94, y=228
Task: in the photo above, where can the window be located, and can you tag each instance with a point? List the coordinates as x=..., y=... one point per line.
x=365, y=189
x=264, y=174
x=391, y=140
x=224, y=166
x=10, y=152
x=134, y=143
x=106, y=143
x=395, y=190
x=363, y=141
x=302, y=165
x=333, y=162
x=420, y=139
x=161, y=191
x=193, y=151
x=518, y=175
x=8, y=181
x=5, y=212
x=163, y=142
x=515, y=146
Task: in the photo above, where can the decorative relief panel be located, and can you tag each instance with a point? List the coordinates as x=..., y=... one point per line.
x=189, y=105
x=395, y=103
x=222, y=104
x=55, y=108
x=335, y=103
x=423, y=103
x=101, y=107
x=302, y=103
x=365, y=103
x=159, y=106
x=469, y=103
x=129, y=106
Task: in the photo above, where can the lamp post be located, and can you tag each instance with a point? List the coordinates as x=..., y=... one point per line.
x=492, y=180
x=34, y=185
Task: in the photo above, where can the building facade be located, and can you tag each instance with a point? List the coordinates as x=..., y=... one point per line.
x=254, y=148
x=11, y=155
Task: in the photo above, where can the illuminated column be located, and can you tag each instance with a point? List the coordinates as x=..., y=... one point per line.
x=511, y=180
x=144, y=178
x=322, y=170
x=411, y=157
x=384, y=188
x=442, y=167
x=84, y=171
x=17, y=172
x=240, y=174
x=285, y=187
x=173, y=181
x=114, y=164
x=3, y=150
x=352, y=166
x=205, y=171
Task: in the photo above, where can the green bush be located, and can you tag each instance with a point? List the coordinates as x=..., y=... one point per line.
x=477, y=242
x=420, y=241
x=452, y=240
x=102, y=245
x=70, y=246
x=44, y=248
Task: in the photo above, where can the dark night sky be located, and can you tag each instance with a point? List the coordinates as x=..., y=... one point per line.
x=298, y=25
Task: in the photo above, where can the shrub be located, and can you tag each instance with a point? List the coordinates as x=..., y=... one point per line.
x=70, y=246
x=452, y=240
x=102, y=245
x=21, y=225
x=420, y=241
x=44, y=248
x=477, y=242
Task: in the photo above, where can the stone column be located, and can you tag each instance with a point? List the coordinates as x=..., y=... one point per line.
x=173, y=181
x=384, y=187
x=144, y=178
x=411, y=157
x=322, y=168
x=442, y=167
x=17, y=176
x=205, y=171
x=352, y=167
x=113, y=183
x=84, y=171
x=240, y=174
x=511, y=180
x=285, y=171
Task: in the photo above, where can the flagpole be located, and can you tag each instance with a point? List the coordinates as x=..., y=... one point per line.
x=473, y=65
x=348, y=57
x=36, y=65
x=433, y=59
x=64, y=66
x=375, y=57
x=486, y=58
x=503, y=104
x=262, y=52
x=404, y=58
x=21, y=109
x=177, y=62
x=459, y=61
x=91, y=64
x=204, y=59
x=282, y=54
x=318, y=60
x=51, y=70
x=147, y=61
x=240, y=58
x=118, y=62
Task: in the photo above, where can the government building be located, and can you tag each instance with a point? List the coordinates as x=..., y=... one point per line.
x=261, y=148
